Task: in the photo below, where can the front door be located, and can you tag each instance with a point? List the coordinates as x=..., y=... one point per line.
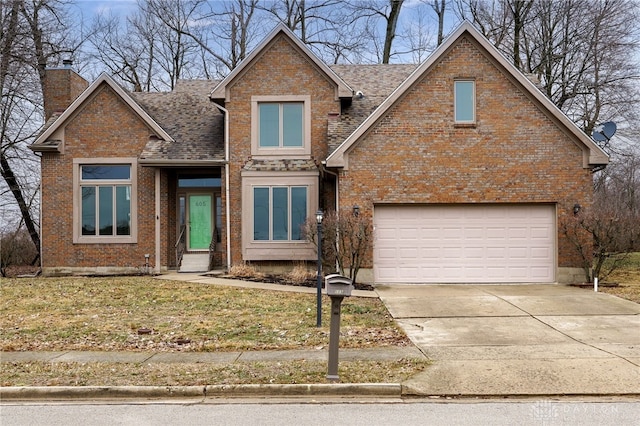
x=200, y=221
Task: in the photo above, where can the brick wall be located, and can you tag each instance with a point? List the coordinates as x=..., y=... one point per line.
x=103, y=127
x=280, y=70
x=62, y=86
x=515, y=153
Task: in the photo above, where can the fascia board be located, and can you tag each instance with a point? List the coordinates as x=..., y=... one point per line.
x=220, y=91
x=103, y=78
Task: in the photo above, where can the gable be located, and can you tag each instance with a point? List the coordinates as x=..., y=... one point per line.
x=523, y=89
x=281, y=33
x=54, y=133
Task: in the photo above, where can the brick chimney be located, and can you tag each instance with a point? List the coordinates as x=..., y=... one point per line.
x=61, y=87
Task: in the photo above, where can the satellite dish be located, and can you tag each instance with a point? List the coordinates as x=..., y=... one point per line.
x=604, y=132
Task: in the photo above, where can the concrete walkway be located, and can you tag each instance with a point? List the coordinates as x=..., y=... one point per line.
x=495, y=340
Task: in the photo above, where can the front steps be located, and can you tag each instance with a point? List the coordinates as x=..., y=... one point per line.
x=194, y=262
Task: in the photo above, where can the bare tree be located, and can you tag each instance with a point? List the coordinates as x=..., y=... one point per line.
x=328, y=27
x=372, y=12
x=582, y=51
x=348, y=238
x=34, y=33
x=126, y=51
x=439, y=7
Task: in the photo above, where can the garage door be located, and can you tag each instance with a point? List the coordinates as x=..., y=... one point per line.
x=464, y=244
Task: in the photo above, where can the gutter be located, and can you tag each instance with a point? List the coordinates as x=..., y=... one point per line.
x=226, y=180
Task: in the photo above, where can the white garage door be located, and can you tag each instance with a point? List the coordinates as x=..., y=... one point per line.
x=464, y=244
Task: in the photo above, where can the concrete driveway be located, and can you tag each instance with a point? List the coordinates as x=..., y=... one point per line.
x=491, y=340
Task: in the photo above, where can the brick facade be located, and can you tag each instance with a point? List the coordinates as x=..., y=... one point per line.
x=295, y=75
x=518, y=150
x=104, y=127
x=514, y=154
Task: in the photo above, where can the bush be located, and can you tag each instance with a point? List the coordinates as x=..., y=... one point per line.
x=16, y=249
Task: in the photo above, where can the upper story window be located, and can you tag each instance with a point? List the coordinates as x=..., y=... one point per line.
x=281, y=126
x=104, y=204
x=465, y=101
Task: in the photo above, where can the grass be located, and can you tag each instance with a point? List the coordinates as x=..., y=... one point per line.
x=106, y=314
x=627, y=276
x=285, y=372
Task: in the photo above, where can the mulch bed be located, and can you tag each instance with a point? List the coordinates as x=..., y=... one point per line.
x=279, y=279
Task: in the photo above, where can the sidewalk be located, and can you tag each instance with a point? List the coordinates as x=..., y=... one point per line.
x=370, y=354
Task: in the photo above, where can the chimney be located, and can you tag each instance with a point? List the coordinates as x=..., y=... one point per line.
x=61, y=87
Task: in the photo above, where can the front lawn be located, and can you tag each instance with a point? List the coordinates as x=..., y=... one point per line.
x=110, y=314
x=114, y=314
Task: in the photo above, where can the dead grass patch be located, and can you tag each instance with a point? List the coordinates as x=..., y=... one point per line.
x=157, y=374
x=627, y=276
x=105, y=314
x=245, y=270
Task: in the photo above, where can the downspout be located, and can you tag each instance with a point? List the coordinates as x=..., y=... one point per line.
x=40, y=261
x=158, y=246
x=226, y=181
x=325, y=170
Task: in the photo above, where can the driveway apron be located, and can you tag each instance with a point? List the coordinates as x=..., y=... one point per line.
x=490, y=340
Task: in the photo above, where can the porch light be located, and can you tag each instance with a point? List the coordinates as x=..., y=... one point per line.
x=576, y=209
x=356, y=210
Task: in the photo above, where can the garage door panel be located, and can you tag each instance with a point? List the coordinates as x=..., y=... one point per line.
x=466, y=243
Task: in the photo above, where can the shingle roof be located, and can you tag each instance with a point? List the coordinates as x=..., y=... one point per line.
x=188, y=115
x=372, y=84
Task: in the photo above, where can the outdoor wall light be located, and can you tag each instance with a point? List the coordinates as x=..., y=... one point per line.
x=576, y=209
x=356, y=210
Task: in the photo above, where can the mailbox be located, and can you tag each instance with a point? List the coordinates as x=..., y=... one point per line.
x=337, y=285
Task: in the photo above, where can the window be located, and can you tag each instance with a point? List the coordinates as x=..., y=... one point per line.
x=281, y=126
x=464, y=101
x=104, y=202
x=279, y=213
x=106, y=199
x=275, y=206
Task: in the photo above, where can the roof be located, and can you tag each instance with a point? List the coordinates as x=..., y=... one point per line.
x=594, y=155
x=221, y=90
x=195, y=125
x=372, y=84
x=56, y=122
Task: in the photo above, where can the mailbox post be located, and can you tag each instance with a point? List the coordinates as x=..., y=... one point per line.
x=337, y=287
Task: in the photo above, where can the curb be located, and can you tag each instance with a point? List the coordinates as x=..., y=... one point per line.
x=212, y=391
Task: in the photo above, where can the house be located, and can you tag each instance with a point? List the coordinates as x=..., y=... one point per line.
x=464, y=167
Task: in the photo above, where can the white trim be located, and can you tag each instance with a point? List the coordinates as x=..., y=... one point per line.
x=87, y=93
x=593, y=154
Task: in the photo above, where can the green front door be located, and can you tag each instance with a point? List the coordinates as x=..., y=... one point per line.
x=200, y=221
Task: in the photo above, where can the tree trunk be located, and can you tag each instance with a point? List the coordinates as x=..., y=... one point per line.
x=15, y=189
x=390, y=33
